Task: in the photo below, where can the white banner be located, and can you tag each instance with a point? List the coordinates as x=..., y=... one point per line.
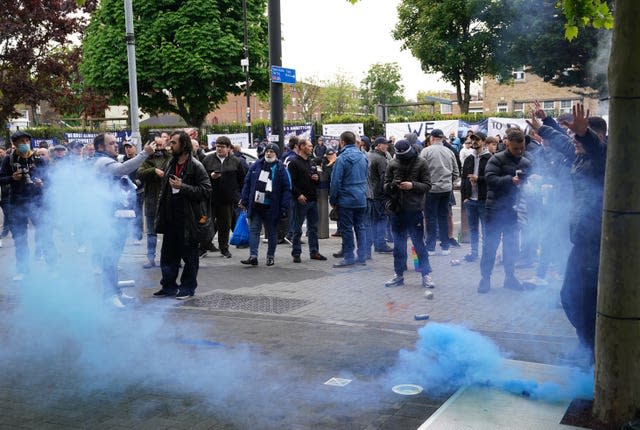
x=338, y=129
x=399, y=129
x=499, y=126
x=235, y=138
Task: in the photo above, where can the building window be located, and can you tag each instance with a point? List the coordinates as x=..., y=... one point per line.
x=293, y=101
x=565, y=106
x=518, y=107
x=445, y=109
x=261, y=113
x=475, y=110
x=503, y=107
x=549, y=107
x=518, y=75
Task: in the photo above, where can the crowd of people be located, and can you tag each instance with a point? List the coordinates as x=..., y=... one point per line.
x=384, y=191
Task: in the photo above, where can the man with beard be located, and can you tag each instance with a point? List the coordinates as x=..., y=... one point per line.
x=110, y=239
x=266, y=195
x=473, y=190
x=406, y=183
x=151, y=173
x=183, y=217
x=505, y=174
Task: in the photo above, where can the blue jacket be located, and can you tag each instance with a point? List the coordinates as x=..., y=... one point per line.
x=349, y=179
x=281, y=190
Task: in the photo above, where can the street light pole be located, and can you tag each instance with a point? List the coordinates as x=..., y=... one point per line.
x=133, y=76
x=275, y=59
x=245, y=66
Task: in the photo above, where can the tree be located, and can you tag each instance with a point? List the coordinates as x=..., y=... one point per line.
x=339, y=96
x=456, y=38
x=383, y=81
x=308, y=97
x=538, y=41
x=188, y=53
x=31, y=34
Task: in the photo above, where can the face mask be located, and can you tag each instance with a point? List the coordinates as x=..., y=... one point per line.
x=23, y=148
x=270, y=159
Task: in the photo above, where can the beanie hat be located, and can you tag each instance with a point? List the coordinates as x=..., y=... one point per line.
x=402, y=146
x=273, y=147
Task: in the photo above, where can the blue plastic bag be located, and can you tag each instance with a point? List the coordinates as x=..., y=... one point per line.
x=240, y=234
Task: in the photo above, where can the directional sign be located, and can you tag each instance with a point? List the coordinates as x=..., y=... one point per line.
x=280, y=75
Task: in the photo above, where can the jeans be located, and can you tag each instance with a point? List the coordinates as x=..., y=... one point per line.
x=108, y=247
x=350, y=220
x=436, y=212
x=258, y=219
x=174, y=249
x=308, y=211
x=499, y=223
x=379, y=222
x=152, y=237
x=409, y=224
x=20, y=216
x=475, y=216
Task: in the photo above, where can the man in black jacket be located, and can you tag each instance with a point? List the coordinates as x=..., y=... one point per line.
x=505, y=173
x=473, y=191
x=304, y=183
x=407, y=182
x=377, y=167
x=227, y=177
x=183, y=214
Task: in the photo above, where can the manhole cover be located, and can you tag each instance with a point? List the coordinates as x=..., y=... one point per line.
x=236, y=302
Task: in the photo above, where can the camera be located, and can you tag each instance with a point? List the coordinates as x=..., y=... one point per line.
x=26, y=177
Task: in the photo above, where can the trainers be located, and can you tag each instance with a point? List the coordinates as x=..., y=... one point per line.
x=251, y=260
x=344, y=263
x=271, y=261
x=225, y=253
x=535, y=282
x=317, y=256
x=484, y=286
x=126, y=297
x=336, y=234
x=149, y=264
x=454, y=242
x=431, y=253
x=203, y=253
x=471, y=257
x=512, y=283
x=384, y=250
x=445, y=252
x=115, y=302
x=164, y=293
x=184, y=295
x=427, y=282
x=18, y=277
x=288, y=240
x=396, y=281
x=211, y=247
x=297, y=259
x=338, y=254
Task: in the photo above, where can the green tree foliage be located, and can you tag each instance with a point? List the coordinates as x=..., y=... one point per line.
x=585, y=13
x=339, y=96
x=456, y=38
x=32, y=33
x=537, y=39
x=383, y=80
x=188, y=53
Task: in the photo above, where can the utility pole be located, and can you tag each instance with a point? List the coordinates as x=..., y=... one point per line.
x=275, y=59
x=245, y=66
x=133, y=76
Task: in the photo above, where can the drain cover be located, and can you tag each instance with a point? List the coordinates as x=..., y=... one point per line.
x=237, y=302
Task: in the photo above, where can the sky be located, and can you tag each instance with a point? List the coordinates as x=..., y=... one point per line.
x=323, y=37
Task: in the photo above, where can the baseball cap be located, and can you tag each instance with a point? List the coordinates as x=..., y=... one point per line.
x=436, y=132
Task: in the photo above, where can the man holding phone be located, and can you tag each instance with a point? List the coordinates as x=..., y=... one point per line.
x=504, y=174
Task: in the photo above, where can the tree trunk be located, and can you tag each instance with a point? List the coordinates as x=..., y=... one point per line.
x=617, y=384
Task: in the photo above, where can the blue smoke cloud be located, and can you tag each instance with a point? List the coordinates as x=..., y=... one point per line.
x=448, y=357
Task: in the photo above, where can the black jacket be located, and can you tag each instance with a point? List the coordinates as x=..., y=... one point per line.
x=467, y=169
x=414, y=170
x=377, y=167
x=196, y=192
x=301, y=182
x=502, y=194
x=23, y=191
x=226, y=189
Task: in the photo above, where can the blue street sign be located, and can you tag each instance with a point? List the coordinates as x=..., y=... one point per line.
x=281, y=75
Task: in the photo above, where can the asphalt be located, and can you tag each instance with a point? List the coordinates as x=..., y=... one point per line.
x=303, y=323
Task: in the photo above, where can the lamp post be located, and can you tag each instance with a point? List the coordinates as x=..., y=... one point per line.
x=133, y=79
x=245, y=67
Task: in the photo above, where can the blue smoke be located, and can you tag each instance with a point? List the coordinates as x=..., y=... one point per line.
x=448, y=357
